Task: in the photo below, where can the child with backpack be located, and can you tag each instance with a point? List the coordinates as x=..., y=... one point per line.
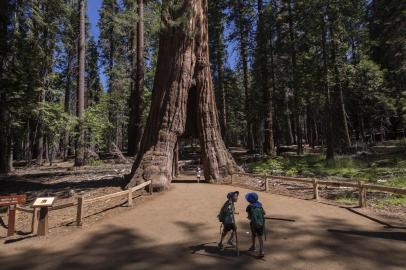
x=256, y=215
x=226, y=217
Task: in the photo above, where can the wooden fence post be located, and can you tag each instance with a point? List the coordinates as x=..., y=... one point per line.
x=315, y=189
x=34, y=222
x=130, y=197
x=79, y=214
x=266, y=184
x=150, y=188
x=362, y=194
x=12, y=209
x=231, y=178
x=43, y=221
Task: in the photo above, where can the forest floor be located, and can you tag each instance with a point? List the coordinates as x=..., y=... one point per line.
x=382, y=164
x=65, y=182
x=178, y=229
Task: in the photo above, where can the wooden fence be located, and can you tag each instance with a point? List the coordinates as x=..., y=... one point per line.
x=360, y=185
x=82, y=202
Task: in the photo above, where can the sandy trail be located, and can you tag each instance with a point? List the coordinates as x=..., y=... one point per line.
x=178, y=230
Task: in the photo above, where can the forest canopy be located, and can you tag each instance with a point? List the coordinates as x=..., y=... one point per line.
x=310, y=74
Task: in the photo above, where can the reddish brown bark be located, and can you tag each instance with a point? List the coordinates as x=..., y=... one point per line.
x=183, y=66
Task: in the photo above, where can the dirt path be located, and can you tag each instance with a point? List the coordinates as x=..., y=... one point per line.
x=178, y=230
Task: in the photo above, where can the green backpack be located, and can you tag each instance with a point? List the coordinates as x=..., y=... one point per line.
x=224, y=215
x=257, y=216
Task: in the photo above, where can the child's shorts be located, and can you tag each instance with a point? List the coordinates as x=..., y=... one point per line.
x=229, y=227
x=257, y=231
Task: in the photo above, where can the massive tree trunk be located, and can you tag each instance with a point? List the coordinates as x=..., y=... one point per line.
x=183, y=73
x=80, y=142
x=137, y=83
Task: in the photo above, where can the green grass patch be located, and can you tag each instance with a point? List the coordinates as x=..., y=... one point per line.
x=347, y=200
x=392, y=200
x=399, y=182
x=95, y=162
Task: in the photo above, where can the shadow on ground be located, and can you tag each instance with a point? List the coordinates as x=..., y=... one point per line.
x=290, y=246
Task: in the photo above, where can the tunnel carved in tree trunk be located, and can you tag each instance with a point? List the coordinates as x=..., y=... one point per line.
x=183, y=66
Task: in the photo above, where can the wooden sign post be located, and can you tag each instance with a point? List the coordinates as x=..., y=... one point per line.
x=43, y=204
x=11, y=201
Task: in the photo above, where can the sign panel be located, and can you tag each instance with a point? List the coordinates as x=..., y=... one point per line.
x=12, y=200
x=43, y=202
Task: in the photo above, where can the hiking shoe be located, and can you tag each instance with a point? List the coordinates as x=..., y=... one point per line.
x=252, y=248
x=261, y=255
x=231, y=243
x=221, y=247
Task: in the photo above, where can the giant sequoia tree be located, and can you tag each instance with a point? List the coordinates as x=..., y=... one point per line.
x=183, y=92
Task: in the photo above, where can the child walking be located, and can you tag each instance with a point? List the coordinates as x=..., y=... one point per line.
x=256, y=215
x=226, y=216
x=198, y=173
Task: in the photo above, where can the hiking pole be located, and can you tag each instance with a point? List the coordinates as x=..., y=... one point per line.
x=236, y=243
x=221, y=226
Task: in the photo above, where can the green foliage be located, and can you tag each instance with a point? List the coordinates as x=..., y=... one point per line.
x=116, y=25
x=97, y=123
x=269, y=167
x=370, y=94
x=236, y=120
x=383, y=169
x=56, y=120
x=94, y=87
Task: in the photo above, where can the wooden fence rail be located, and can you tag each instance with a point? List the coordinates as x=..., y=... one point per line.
x=360, y=185
x=81, y=202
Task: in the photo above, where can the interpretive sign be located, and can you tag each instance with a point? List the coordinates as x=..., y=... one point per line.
x=11, y=201
x=42, y=202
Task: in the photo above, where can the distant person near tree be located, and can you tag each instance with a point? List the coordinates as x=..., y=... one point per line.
x=198, y=173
